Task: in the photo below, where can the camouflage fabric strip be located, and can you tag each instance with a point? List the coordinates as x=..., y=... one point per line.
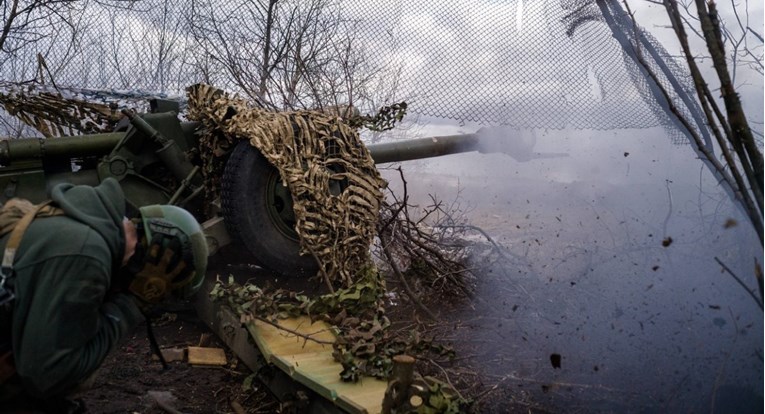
x=54, y=115
x=311, y=150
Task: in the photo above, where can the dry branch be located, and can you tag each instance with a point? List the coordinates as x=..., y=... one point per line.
x=746, y=187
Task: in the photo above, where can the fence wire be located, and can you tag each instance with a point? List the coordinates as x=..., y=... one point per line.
x=527, y=64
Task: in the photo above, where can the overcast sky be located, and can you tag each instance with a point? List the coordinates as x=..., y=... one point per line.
x=513, y=62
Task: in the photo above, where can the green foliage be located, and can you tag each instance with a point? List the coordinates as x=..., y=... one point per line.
x=386, y=118
x=364, y=344
x=362, y=298
x=252, y=300
x=247, y=383
x=441, y=400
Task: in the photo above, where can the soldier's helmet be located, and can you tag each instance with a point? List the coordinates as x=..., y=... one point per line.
x=172, y=226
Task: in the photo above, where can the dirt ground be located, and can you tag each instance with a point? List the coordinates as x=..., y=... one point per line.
x=131, y=380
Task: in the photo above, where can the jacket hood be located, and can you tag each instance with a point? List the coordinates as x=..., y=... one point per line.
x=102, y=208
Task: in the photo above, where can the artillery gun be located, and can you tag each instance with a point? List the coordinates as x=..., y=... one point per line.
x=147, y=155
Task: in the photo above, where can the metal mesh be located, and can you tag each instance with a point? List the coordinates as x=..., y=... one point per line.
x=534, y=63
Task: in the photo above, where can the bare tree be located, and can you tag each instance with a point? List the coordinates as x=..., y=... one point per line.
x=743, y=42
x=735, y=155
x=32, y=30
x=739, y=162
x=285, y=54
x=25, y=41
x=29, y=21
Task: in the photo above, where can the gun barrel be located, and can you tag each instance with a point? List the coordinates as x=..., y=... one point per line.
x=423, y=148
x=38, y=148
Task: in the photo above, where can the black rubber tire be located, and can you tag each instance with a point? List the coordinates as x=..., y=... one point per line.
x=250, y=219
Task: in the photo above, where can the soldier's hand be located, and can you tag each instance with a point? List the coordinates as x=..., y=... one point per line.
x=162, y=265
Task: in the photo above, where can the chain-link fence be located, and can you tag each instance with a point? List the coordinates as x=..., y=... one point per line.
x=539, y=63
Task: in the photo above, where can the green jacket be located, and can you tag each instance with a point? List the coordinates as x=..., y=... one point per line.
x=65, y=320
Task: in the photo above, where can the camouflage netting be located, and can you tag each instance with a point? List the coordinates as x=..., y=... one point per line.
x=313, y=152
x=55, y=115
x=548, y=64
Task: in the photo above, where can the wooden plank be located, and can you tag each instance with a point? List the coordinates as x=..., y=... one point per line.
x=312, y=364
x=206, y=356
x=229, y=328
x=274, y=341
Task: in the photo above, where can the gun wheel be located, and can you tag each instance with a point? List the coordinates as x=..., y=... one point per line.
x=257, y=210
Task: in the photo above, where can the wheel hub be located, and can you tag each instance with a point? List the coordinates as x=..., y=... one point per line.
x=280, y=207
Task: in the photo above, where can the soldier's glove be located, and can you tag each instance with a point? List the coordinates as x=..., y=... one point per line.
x=162, y=265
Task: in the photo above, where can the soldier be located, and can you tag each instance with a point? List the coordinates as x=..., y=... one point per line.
x=81, y=280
